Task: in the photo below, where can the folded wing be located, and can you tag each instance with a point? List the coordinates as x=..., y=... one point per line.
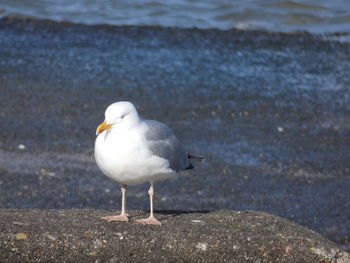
x=163, y=143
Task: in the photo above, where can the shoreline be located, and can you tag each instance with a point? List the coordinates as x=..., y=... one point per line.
x=304, y=34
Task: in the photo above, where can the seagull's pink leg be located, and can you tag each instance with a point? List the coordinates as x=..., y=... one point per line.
x=123, y=216
x=151, y=219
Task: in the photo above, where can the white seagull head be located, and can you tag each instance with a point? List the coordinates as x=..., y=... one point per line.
x=119, y=114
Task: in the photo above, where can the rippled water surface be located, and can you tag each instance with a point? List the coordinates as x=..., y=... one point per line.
x=321, y=16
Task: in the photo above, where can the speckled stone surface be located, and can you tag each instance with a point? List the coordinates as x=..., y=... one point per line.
x=216, y=236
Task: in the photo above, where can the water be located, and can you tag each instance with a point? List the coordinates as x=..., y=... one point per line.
x=314, y=16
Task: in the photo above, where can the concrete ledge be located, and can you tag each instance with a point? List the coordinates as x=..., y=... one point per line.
x=28, y=235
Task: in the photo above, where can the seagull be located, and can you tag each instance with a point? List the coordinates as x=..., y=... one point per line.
x=132, y=150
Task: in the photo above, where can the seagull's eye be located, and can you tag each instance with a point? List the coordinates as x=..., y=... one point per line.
x=123, y=115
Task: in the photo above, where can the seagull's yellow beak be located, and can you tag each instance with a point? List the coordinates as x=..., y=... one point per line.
x=102, y=127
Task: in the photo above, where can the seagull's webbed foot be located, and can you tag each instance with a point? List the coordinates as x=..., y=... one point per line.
x=149, y=221
x=118, y=218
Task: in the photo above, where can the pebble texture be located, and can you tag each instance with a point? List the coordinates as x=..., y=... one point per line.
x=206, y=236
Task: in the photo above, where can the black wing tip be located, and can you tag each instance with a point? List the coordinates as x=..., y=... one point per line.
x=189, y=167
x=194, y=157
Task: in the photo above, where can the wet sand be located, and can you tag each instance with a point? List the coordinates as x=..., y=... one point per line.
x=270, y=112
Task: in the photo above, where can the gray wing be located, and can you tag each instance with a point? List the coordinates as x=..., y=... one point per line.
x=163, y=143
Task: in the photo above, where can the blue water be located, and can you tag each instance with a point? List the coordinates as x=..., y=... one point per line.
x=314, y=16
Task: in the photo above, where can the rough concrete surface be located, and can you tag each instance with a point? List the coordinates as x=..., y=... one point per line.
x=217, y=236
x=270, y=112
